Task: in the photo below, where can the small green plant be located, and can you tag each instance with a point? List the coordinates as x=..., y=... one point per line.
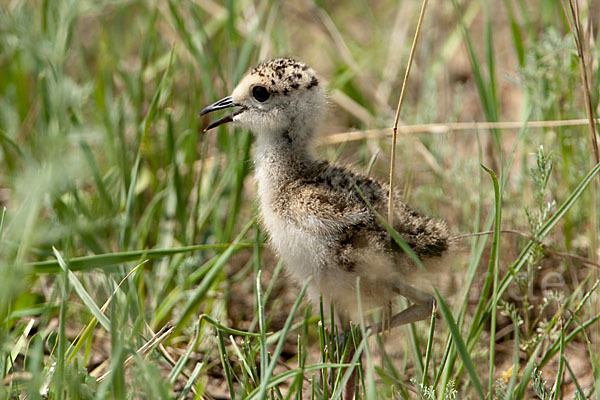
x=429, y=392
x=540, y=176
x=539, y=386
x=537, y=215
x=500, y=390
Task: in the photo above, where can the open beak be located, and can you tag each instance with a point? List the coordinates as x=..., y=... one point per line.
x=227, y=102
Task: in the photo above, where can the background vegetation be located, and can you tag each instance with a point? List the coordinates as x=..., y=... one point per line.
x=122, y=224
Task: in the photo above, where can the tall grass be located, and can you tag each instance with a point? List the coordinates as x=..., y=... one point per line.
x=132, y=263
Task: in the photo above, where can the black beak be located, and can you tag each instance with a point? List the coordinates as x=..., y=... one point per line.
x=227, y=102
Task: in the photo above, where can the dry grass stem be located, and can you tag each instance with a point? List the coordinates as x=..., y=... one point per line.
x=547, y=250
x=438, y=128
x=582, y=45
x=400, y=101
x=160, y=337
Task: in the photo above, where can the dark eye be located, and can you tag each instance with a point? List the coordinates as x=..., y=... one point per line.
x=260, y=93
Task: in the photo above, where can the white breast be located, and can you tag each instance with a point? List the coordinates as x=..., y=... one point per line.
x=305, y=252
x=302, y=252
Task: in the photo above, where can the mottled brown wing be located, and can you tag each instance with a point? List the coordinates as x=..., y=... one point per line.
x=427, y=236
x=323, y=208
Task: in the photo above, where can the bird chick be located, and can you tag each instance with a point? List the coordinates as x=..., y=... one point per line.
x=317, y=220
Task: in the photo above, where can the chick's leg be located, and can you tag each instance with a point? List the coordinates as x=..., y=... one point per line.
x=422, y=308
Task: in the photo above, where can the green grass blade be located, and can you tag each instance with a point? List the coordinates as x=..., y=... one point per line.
x=577, y=385
x=246, y=368
x=59, y=379
x=190, y=382
x=125, y=237
x=516, y=358
x=288, y=323
x=83, y=294
x=2, y=217
x=460, y=345
x=202, y=289
x=147, y=123
x=227, y=329
x=20, y=345
x=493, y=272
x=515, y=30
x=489, y=52
x=262, y=327
x=88, y=301
x=354, y=363
x=526, y=377
x=226, y=364
x=5, y=139
x=556, y=389
x=178, y=367
x=91, y=160
x=112, y=259
x=425, y=380
x=481, y=84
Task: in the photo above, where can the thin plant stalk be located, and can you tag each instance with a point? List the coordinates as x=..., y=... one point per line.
x=397, y=118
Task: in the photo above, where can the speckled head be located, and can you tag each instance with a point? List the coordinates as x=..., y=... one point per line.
x=283, y=75
x=278, y=97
